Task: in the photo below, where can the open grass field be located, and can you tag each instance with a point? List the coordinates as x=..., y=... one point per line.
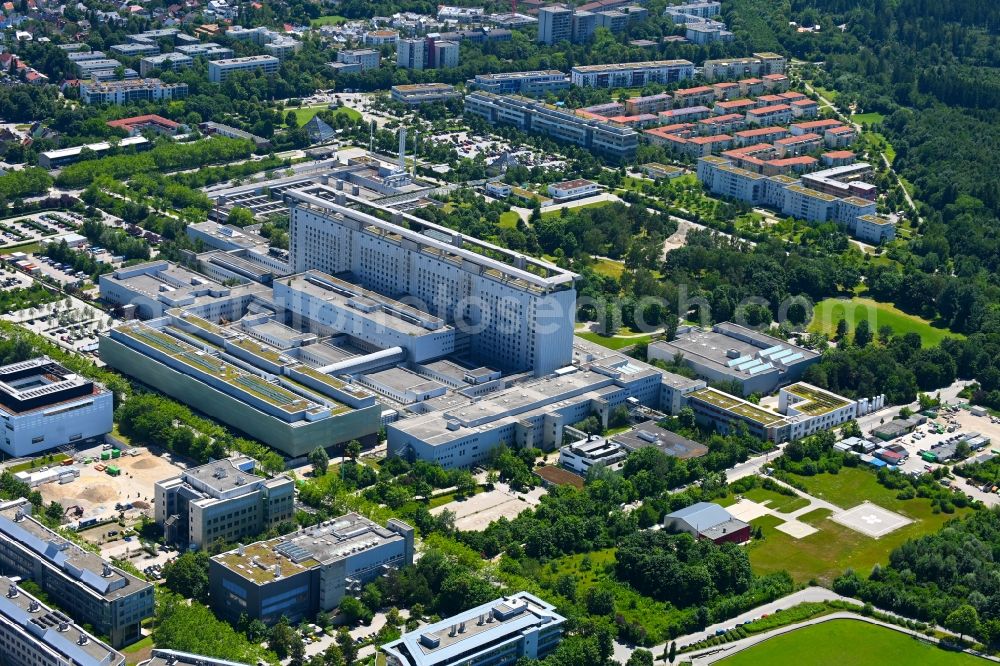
x=828, y=93
x=853, y=642
x=609, y=268
x=829, y=311
x=306, y=113
x=328, y=20
x=556, y=212
x=508, y=220
x=868, y=118
x=613, y=342
x=835, y=548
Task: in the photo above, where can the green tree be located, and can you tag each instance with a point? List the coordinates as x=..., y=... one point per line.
x=240, y=217
x=963, y=620
x=863, y=333
x=600, y=601
x=640, y=657
x=319, y=460
x=841, y=329
x=54, y=512
x=187, y=575
x=352, y=610
x=672, y=654
x=348, y=648
x=353, y=449
x=282, y=637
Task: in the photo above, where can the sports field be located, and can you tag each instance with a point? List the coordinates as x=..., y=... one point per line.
x=840, y=642
x=829, y=311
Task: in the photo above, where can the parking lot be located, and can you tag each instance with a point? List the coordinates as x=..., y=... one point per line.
x=37, y=226
x=925, y=437
x=13, y=279
x=70, y=323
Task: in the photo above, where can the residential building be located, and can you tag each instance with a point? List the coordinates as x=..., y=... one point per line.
x=172, y=61
x=632, y=74
x=209, y=50
x=136, y=50
x=697, y=96
x=536, y=117
x=222, y=500
x=767, y=116
x=555, y=24
x=411, y=53
x=283, y=46
x=792, y=146
x=731, y=68
x=521, y=83
x=32, y=634
x=648, y=104
x=306, y=572
x=584, y=25
x=729, y=352
x=136, y=125
x=706, y=32
x=54, y=159
x=498, y=633
x=424, y=93
x=220, y=70
x=366, y=59
x=87, y=586
x=704, y=520
x=127, y=92
x=528, y=325
x=445, y=54
x=44, y=405
x=380, y=37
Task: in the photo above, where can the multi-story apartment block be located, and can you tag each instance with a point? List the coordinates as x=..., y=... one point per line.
x=220, y=70
x=88, y=587
x=380, y=37
x=411, y=53
x=32, y=634
x=793, y=146
x=731, y=68
x=306, y=572
x=424, y=93
x=521, y=83
x=498, y=633
x=136, y=50
x=584, y=25
x=172, y=61
x=518, y=311
x=532, y=116
x=632, y=74
x=697, y=96
x=727, y=124
x=837, y=194
x=221, y=500
x=126, y=92
x=366, y=59
x=766, y=116
x=555, y=24
x=282, y=47
x=648, y=104
x=43, y=405
x=209, y=50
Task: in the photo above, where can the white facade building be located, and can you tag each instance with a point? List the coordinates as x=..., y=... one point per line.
x=220, y=70
x=631, y=74
x=44, y=405
x=513, y=312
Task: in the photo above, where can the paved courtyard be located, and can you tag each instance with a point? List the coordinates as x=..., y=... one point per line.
x=477, y=512
x=870, y=519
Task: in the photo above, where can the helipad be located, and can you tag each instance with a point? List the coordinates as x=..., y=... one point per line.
x=870, y=519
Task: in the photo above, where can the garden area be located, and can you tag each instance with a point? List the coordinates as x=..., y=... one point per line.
x=828, y=313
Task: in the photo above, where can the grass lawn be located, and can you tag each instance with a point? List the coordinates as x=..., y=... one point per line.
x=830, y=95
x=883, y=143
x=39, y=463
x=306, y=113
x=847, y=642
x=558, y=211
x=834, y=548
x=831, y=310
x=868, y=118
x=776, y=501
x=328, y=20
x=508, y=220
x=609, y=268
x=613, y=342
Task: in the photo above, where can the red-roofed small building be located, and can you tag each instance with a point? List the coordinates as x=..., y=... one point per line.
x=734, y=106
x=726, y=90
x=794, y=146
x=700, y=96
x=137, y=124
x=727, y=124
x=641, y=120
x=776, y=82
x=805, y=108
x=839, y=137
x=751, y=87
x=836, y=158
x=786, y=165
x=779, y=114
x=817, y=126
x=760, y=135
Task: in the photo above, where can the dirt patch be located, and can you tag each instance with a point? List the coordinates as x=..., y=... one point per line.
x=98, y=494
x=148, y=462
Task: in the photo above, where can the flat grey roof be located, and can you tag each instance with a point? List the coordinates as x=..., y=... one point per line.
x=401, y=379
x=222, y=475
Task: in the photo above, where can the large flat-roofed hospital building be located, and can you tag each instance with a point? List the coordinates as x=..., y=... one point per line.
x=88, y=587
x=303, y=573
x=497, y=633
x=221, y=500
